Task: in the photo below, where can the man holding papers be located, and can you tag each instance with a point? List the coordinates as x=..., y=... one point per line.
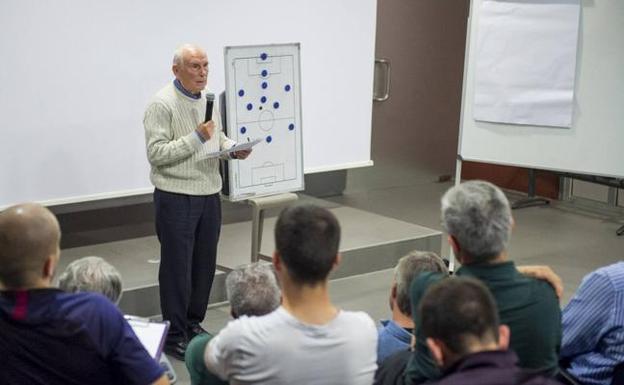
x=180, y=138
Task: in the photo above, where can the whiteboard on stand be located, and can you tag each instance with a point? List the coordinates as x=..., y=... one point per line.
x=263, y=101
x=593, y=142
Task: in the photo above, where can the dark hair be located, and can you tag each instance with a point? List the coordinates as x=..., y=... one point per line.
x=458, y=310
x=307, y=238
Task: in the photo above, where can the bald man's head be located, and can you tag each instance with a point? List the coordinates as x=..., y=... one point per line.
x=29, y=237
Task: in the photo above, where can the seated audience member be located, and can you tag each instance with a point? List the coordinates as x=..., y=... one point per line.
x=252, y=291
x=396, y=334
x=307, y=340
x=459, y=319
x=593, y=326
x=92, y=274
x=48, y=336
x=391, y=371
x=477, y=217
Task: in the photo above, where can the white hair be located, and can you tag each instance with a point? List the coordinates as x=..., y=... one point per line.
x=178, y=54
x=252, y=289
x=477, y=214
x=92, y=274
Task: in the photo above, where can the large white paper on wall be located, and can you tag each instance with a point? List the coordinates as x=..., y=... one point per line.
x=526, y=61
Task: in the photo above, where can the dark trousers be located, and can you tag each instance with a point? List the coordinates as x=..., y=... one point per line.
x=188, y=229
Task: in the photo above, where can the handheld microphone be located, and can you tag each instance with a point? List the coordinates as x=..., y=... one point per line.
x=209, y=102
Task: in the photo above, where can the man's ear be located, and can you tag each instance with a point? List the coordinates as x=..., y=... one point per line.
x=49, y=267
x=504, y=334
x=437, y=352
x=393, y=295
x=337, y=261
x=457, y=250
x=277, y=261
x=175, y=68
x=454, y=245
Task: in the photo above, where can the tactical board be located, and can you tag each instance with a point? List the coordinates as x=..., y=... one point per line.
x=263, y=100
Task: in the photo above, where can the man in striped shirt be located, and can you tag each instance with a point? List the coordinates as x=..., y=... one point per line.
x=593, y=326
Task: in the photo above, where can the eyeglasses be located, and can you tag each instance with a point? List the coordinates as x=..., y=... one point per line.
x=197, y=67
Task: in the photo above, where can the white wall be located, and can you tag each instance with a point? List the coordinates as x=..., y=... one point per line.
x=76, y=76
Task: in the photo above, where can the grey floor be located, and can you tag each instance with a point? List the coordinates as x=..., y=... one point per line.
x=572, y=242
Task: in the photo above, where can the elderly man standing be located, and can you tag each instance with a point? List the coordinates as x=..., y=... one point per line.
x=477, y=217
x=51, y=337
x=186, y=195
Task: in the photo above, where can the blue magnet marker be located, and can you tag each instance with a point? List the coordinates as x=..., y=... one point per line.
x=263, y=99
x=276, y=105
x=269, y=139
x=291, y=126
x=287, y=87
x=263, y=56
x=241, y=93
x=264, y=85
x=243, y=130
x=264, y=73
x=249, y=107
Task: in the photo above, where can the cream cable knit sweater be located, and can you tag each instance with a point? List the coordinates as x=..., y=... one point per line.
x=177, y=156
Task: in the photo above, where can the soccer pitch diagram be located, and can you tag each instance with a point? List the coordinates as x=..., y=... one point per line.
x=263, y=97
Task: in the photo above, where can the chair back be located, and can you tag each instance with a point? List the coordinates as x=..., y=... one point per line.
x=618, y=375
x=566, y=378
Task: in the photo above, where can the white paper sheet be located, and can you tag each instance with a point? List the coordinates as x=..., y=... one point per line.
x=151, y=334
x=238, y=147
x=526, y=61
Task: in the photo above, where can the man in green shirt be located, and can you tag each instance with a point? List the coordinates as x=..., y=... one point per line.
x=252, y=291
x=477, y=217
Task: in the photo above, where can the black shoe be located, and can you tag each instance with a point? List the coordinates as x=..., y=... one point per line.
x=176, y=349
x=194, y=330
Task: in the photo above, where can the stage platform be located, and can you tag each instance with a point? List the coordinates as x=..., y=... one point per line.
x=370, y=242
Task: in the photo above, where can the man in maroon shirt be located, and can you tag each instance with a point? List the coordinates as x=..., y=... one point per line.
x=460, y=320
x=51, y=337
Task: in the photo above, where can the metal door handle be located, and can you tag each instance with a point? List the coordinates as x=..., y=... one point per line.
x=381, y=83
